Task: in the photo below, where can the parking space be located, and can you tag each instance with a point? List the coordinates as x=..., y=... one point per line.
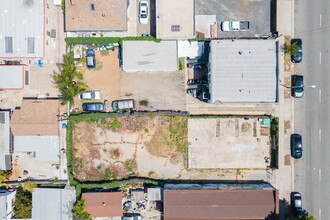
x=150, y=90
x=141, y=27
x=260, y=14
x=228, y=143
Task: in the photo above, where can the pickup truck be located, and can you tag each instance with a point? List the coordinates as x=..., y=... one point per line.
x=235, y=25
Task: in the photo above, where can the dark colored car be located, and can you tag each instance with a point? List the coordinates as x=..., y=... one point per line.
x=297, y=86
x=296, y=203
x=296, y=146
x=90, y=59
x=297, y=56
x=93, y=107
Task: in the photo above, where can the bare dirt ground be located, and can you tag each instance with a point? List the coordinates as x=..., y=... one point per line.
x=104, y=77
x=146, y=146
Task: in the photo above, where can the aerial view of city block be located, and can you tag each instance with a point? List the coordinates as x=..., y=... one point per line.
x=164, y=109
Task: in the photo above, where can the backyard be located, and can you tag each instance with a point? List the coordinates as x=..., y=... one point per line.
x=120, y=147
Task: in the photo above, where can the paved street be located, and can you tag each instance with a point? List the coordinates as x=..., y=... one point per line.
x=312, y=174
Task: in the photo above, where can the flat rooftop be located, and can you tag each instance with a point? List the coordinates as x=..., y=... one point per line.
x=171, y=26
x=217, y=11
x=11, y=76
x=243, y=71
x=22, y=28
x=227, y=143
x=150, y=56
x=5, y=155
x=100, y=15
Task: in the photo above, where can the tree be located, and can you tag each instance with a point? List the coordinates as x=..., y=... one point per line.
x=290, y=48
x=69, y=81
x=23, y=204
x=306, y=218
x=29, y=186
x=78, y=211
x=4, y=174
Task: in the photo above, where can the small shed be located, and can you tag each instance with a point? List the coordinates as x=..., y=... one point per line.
x=154, y=194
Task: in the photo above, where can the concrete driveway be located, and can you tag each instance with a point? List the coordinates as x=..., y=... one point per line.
x=227, y=143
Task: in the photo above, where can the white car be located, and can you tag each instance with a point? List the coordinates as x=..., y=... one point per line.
x=91, y=95
x=235, y=25
x=143, y=12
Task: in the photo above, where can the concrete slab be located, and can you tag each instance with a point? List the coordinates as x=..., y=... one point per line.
x=227, y=143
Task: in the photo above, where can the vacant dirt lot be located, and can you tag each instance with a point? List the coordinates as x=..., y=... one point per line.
x=116, y=148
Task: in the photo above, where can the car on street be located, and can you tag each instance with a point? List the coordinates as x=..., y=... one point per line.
x=93, y=107
x=91, y=95
x=235, y=25
x=90, y=59
x=143, y=14
x=296, y=56
x=296, y=146
x=297, y=86
x=124, y=104
x=296, y=203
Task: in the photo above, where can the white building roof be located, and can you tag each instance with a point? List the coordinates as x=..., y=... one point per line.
x=52, y=204
x=11, y=76
x=44, y=148
x=22, y=28
x=243, y=71
x=5, y=156
x=150, y=56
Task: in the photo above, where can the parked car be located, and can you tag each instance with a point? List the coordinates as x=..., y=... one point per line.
x=93, y=107
x=296, y=203
x=91, y=95
x=296, y=146
x=143, y=12
x=297, y=56
x=90, y=59
x=235, y=25
x=297, y=86
x=132, y=216
x=125, y=104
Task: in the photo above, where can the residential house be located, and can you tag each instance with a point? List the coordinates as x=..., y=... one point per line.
x=7, y=199
x=85, y=18
x=53, y=203
x=35, y=129
x=104, y=204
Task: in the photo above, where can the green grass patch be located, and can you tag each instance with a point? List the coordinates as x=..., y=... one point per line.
x=178, y=133
x=114, y=125
x=106, y=40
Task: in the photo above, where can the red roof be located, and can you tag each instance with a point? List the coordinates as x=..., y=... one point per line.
x=220, y=204
x=103, y=204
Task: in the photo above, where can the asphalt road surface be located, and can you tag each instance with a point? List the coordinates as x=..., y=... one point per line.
x=311, y=113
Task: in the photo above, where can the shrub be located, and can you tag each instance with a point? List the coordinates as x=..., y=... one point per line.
x=23, y=204
x=78, y=211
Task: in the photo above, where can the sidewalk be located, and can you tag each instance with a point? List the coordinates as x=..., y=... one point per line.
x=284, y=175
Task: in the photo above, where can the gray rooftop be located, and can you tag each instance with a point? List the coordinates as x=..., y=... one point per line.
x=44, y=148
x=52, y=204
x=11, y=77
x=243, y=71
x=22, y=27
x=5, y=156
x=150, y=56
x=6, y=206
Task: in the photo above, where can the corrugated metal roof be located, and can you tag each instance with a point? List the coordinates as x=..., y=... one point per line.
x=52, y=204
x=4, y=140
x=45, y=148
x=11, y=76
x=150, y=56
x=220, y=204
x=21, y=20
x=243, y=71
